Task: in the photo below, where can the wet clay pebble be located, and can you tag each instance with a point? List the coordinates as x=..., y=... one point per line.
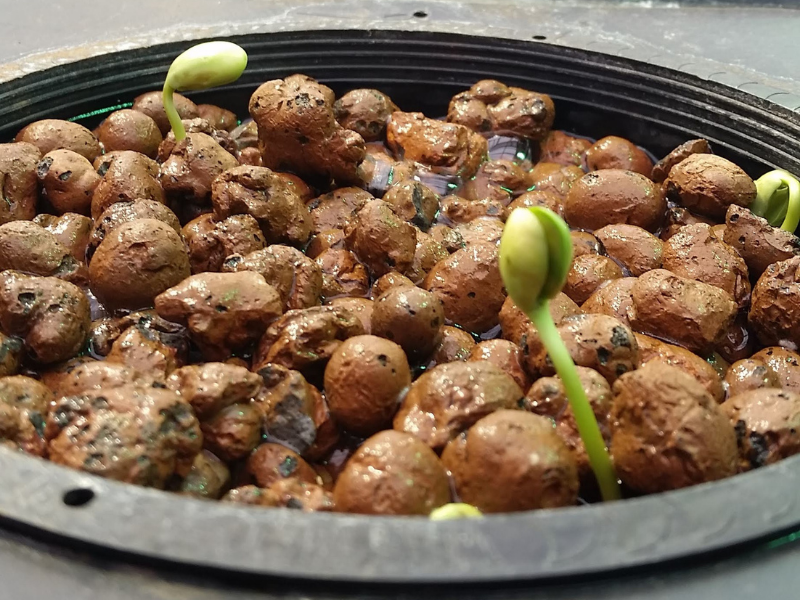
x=667, y=432
x=588, y=273
x=515, y=324
x=678, y=217
x=250, y=156
x=537, y=198
x=342, y=274
x=767, y=423
x=613, y=196
x=775, y=304
x=362, y=308
x=152, y=104
x=446, y=148
x=210, y=242
x=455, y=345
x=512, y=461
x=18, y=164
x=690, y=313
x=272, y=462
x=130, y=130
x=195, y=162
x=364, y=383
x=233, y=432
x=554, y=178
x=468, y=283
x=392, y=473
x=266, y=196
x=224, y=312
x=496, y=180
x=635, y=248
x=449, y=238
x=53, y=134
x=758, y=243
x=651, y=349
x=772, y=367
x=381, y=239
x=10, y=355
x=584, y=242
x=95, y=375
x=613, y=299
x=298, y=131
x=70, y=229
x=709, y=184
x=135, y=434
x=24, y=404
x=483, y=230
x=386, y=282
x=503, y=354
x=50, y=315
x=329, y=238
x=136, y=262
x=146, y=354
x=364, y=111
x=598, y=342
x=27, y=247
x=562, y=148
x=219, y=118
x=130, y=176
x=210, y=387
x=449, y=398
x=696, y=253
x=304, y=340
x=68, y=181
x=548, y=398
x=662, y=168
x=614, y=152
x=455, y=209
x=427, y=253
x=286, y=493
x=54, y=374
x=297, y=278
x=337, y=209
x=411, y=317
x=222, y=138
x=490, y=105
x=414, y=202
x=208, y=478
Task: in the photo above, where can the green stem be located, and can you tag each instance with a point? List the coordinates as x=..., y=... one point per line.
x=588, y=429
x=793, y=208
x=172, y=113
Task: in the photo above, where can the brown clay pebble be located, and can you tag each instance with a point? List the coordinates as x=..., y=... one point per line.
x=337, y=209
x=145, y=354
x=380, y=239
x=413, y=202
x=71, y=230
x=613, y=196
x=125, y=212
x=193, y=165
x=767, y=423
x=634, y=248
x=52, y=134
x=364, y=383
x=667, y=431
x=27, y=247
x=515, y=324
x=364, y=111
x=614, y=152
x=392, y=473
x=469, y=284
x=152, y=104
x=588, y=273
x=18, y=164
x=449, y=398
x=564, y=149
x=342, y=274
x=496, y=180
x=208, y=478
x=24, y=404
x=758, y=243
x=210, y=387
x=449, y=238
x=455, y=345
x=427, y=253
x=411, y=317
x=689, y=313
x=219, y=118
x=329, y=238
x=537, y=198
x=129, y=176
x=709, y=184
x=775, y=304
x=386, y=282
x=233, y=432
x=360, y=307
x=136, y=262
x=662, y=168
x=554, y=178
x=773, y=367
x=512, y=461
x=10, y=355
x=483, y=230
x=272, y=462
x=455, y=209
x=613, y=299
x=130, y=130
x=584, y=242
x=68, y=181
x=96, y=375
x=504, y=354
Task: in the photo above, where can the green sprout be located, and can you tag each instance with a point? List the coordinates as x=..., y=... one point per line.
x=201, y=67
x=535, y=257
x=778, y=199
x=455, y=510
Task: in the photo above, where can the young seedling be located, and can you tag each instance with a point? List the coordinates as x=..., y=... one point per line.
x=535, y=257
x=778, y=199
x=455, y=510
x=201, y=67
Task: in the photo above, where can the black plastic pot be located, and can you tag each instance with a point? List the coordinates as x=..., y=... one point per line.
x=595, y=95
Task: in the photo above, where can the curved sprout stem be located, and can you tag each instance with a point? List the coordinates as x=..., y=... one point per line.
x=793, y=207
x=172, y=114
x=588, y=428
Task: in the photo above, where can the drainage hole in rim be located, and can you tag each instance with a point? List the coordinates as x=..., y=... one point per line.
x=539, y=37
x=78, y=497
x=420, y=14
